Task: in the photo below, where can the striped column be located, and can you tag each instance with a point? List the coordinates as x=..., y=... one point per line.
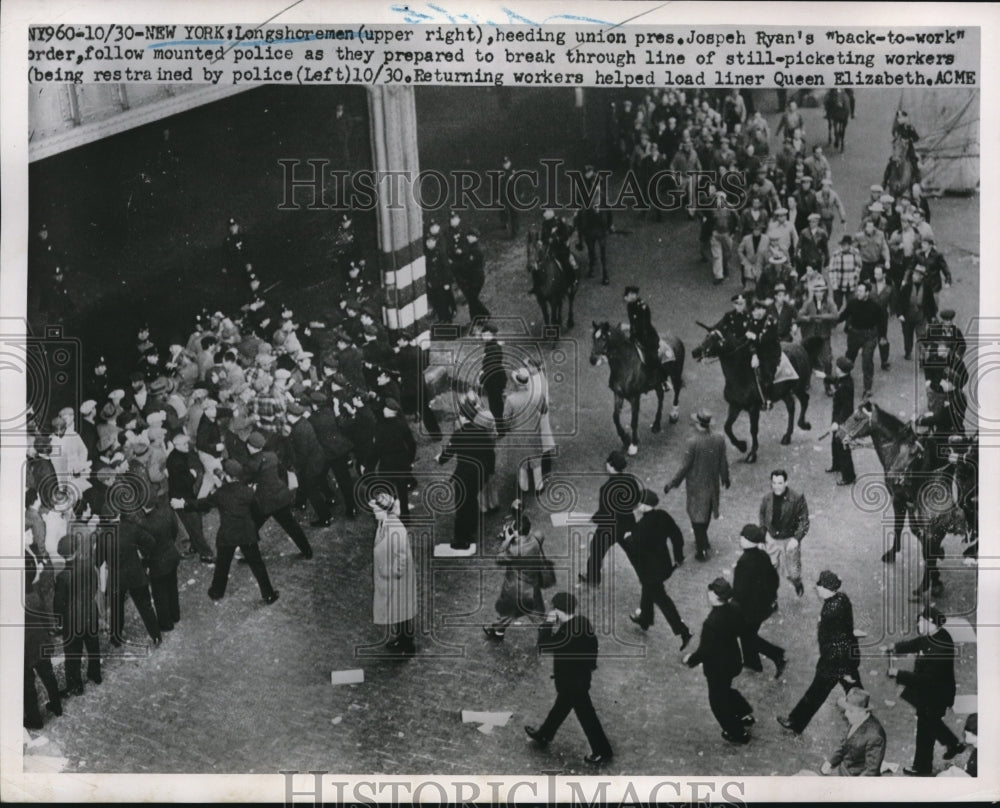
x=393, y=119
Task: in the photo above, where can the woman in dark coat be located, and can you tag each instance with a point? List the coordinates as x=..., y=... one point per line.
x=521, y=593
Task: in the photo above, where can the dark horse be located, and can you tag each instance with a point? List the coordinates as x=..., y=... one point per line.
x=629, y=377
x=919, y=485
x=742, y=392
x=551, y=285
x=838, y=110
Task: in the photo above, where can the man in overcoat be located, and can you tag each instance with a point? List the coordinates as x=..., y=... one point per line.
x=617, y=500
x=755, y=592
x=654, y=565
x=271, y=496
x=704, y=466
x=863, y=749
x=719, y=654
x=839, y=657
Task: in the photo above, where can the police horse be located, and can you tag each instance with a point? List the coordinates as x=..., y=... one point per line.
x=920, y=487
x=551, y=284
x=629, y=378
x=742, y=391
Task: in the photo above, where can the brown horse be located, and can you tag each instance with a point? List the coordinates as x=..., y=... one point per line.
x=837, y=105
x=552, y=286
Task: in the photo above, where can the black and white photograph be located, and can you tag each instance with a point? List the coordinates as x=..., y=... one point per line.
x=397, y=419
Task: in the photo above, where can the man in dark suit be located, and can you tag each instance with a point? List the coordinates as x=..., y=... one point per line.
x=310, y=464
x=839, y=657
x=843, y=408
x=863, y=748
x=617, y=499
x=336, y=446
x=181, y=478
x=755, y=592
x=719, y=653
x=493, y=376
x=271, y=495
x=126, y=576
x=653, y=564
x=930, y=687
x=571, y=640
x=395, y=451
x=704, y=466
x=237, y=528
x=162, y=561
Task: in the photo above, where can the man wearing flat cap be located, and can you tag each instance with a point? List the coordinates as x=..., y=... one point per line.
x=861, y=752
x=309, y=463
x=704, y=466
x=755, y=591
x=271, y=496
x=617, y=500
x=651, y=557
x=394, y=453
x=814, y=245
x=930, y=687
x=844, y=271
x=571, y=640
x=719, y=655
x=839, y=656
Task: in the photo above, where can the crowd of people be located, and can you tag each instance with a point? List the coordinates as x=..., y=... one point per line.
x=258, y=416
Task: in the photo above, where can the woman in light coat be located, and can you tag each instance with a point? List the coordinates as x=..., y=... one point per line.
x=394, y=597
x=522, y=421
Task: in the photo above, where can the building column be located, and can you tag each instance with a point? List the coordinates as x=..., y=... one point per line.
x=393, y=121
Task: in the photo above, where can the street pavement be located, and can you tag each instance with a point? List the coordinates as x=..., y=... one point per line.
x=239, y=687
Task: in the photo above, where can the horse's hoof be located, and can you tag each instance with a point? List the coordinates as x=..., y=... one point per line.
x=633, y=450
x=805, y=425
x=741, y=446
x=785, y=440
x=656, y=427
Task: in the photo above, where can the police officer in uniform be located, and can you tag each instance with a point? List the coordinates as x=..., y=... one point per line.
x=439, y=280
x=641, y=330
x=736, y=321
x=762, y=332
x=555, y=235
x=593, y=223
x=454, y=238
x=470, y=273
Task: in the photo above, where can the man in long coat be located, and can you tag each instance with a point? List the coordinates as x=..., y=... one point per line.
x=394, y=597
x=704, y=466
x=522, y=416
x=617, y=499
x=272, y=497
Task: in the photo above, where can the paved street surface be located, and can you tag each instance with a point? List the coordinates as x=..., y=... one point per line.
x=239, y=687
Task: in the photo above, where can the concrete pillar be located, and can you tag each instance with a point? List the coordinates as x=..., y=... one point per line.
x=393, y=120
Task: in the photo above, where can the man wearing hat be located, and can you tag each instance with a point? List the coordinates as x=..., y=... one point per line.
x=522, y=416
x=828, y=205
x=87, y=429
x=394, y=452
x=237, y=529
x=235, y=255
x=571, y=640
x=724, y=222
x=617, y=499
x=309, y=463
x=718, y=653
x=648, y=551
x=327, y=423
x=182, y=476
x=805, y=201
x=930, y=687
x=843, y=407
x=863, y=321
x=475, y=460
x=917, y=306
x=781, y=233
x=271, y=495
x=98, y=385
x=861, y=752
x=752, y=253
x=641, y=330
x=942, y=332
x=814, y=245
x=734, y=322
x=755, y=592
x=593, y=223
x=872, y=247
x=844, y=271
x=493, y=376
x=470, y=274
x=704, y=466
x=782, y=312
x=440, y=280
x=935, y=265
x=762, y=335
x=839, y=656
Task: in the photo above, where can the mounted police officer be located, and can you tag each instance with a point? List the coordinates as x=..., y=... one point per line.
x=555, y=235
x=762, y=333
x=593, y=223
x=641, y=330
